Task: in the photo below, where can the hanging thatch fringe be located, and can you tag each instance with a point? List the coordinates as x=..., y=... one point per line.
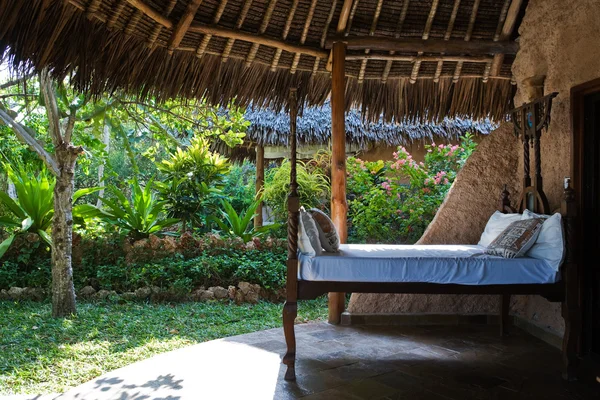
x=38, y=33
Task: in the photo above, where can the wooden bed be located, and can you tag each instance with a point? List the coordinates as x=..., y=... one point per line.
x=532, y=197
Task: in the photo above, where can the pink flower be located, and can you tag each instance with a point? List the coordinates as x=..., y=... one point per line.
x=443, y=173
x=426, y=190
x=429, y=150
x=445, y=181
x=441, y=146
x=427, y=181
x=421, y=164
x=433, y=144
x=402, y=162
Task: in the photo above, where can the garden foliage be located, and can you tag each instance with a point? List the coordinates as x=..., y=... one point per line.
x=394, y=201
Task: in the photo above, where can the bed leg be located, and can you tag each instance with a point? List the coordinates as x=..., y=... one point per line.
x=504, y=314
x=290, y=310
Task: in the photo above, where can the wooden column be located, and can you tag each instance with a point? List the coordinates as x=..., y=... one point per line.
x=260, y=182
x=339, y=207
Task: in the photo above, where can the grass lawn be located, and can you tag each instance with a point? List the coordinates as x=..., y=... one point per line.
x=40, y=354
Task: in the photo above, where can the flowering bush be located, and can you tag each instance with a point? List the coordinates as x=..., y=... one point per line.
x=394, y=202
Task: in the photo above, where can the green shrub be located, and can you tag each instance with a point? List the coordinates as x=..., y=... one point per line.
x=313, y=188
x=383, y=208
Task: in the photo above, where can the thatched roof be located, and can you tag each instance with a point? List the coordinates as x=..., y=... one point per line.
x=423, y=59
x=313, y=127
x=271, y=128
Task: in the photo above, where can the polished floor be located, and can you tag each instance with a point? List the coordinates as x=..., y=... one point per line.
x=350, y=363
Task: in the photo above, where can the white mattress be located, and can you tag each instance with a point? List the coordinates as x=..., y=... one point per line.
x=457, y=264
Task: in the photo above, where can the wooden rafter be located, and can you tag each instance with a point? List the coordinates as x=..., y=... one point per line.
x=447, y=35
x=363, y=64
x=418, y=59
x=158, y=26
x=286, y=30
x=341, y=25
x=399, y=25
x=216, y=18
x=472, y=19
x=426, y=31
x=263, y=27
x=238, y=25
x=257, y=40
x=429, y=46
x=183, y=24
x=324, y=34
x=92, y=8
x=509, y=26
x=153, y=14
x=351, y=17
x=309, y=17
x=501, y=19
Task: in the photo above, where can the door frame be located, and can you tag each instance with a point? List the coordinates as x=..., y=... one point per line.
x=589, y=370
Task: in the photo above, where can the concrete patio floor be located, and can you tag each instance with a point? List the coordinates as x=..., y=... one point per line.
x=436, y=362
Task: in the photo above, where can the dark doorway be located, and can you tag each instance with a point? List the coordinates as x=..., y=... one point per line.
x=586, y=124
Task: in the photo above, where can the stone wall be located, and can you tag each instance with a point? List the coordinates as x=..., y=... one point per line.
x=559, y=40
x=471, y=200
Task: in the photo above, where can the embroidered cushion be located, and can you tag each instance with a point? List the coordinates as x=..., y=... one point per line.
x=308, y=234
x=550, y=244
x=516, y=239
x=330, y=240
x=495, y=225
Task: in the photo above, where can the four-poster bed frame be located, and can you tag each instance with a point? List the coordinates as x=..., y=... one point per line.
x=532, y=198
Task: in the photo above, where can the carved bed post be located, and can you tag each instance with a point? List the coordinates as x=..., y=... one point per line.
x=505, y=207
x=290, y=309
x=571, y=305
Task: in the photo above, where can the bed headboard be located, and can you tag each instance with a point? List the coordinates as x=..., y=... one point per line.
x=529, y=120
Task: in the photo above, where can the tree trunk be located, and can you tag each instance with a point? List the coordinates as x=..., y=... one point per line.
x=63, y=292
x=106, y=141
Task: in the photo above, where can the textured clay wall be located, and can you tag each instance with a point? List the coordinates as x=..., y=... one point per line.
x=559, y=39
x=461, y=219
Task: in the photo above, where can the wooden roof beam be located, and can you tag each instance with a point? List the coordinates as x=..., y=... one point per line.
x=183, y=24
x=153, y=14
x=472, y=19
x=501, y=19
x=388, y=65
x=258, y=40
x=238, y=25
x=263, y=28
x=286, y=30
x=216, y=18
x=309, y=17
x=324, y=34
x=341, y=26
x=509, y=26
x=363, y=65
x=427, y=46
x=447, y=35
x=158, y=27
x=415, y=71
x=419, y=59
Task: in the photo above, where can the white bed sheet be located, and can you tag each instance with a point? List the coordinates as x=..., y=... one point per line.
x=444, y=264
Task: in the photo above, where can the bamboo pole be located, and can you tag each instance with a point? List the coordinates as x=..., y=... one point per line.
x=338, y=163
x=260, y=182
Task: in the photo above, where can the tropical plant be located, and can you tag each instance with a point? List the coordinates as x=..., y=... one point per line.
x=138, y=218
x=191, y=176
x=33, y=209
x=313, y=188
x=241, y=225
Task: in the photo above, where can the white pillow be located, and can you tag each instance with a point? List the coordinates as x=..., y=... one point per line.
x=497, y=223
x=308, y=235
x=550, y=244
x=330, y=240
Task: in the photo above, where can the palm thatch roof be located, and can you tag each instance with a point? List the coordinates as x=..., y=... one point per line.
x=418, y=60
x=269, y=127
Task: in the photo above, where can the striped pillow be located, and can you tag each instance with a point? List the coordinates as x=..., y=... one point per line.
x=516, y=239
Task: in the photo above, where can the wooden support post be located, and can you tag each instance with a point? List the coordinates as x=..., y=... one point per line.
x=338, y=163
x=260, y=182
